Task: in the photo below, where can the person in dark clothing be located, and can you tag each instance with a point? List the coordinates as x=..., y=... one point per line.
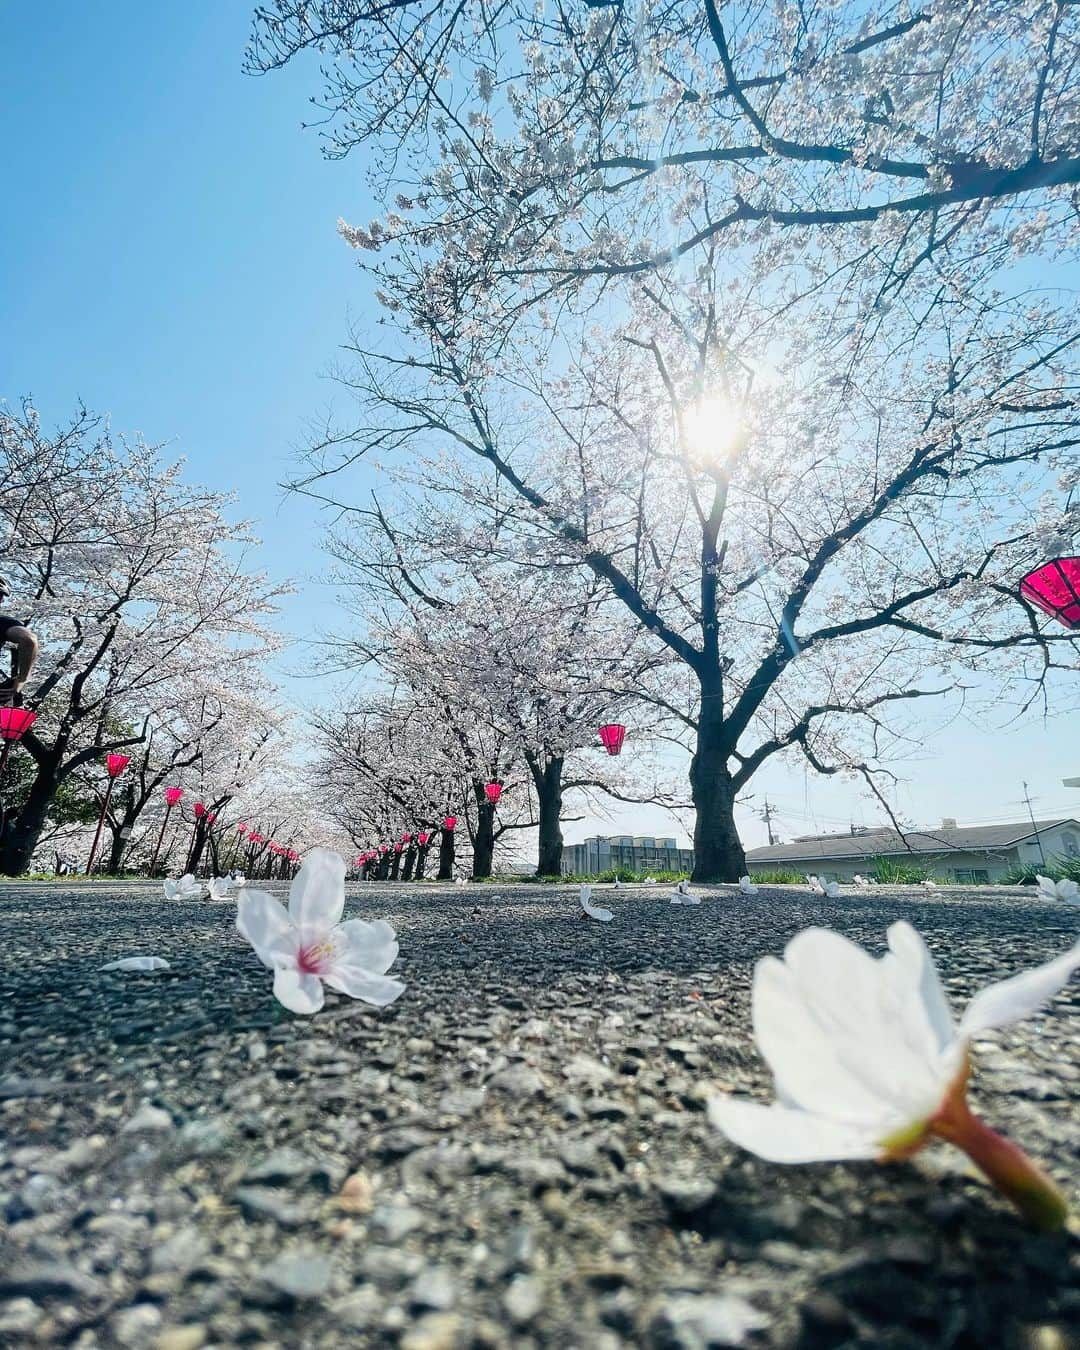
x=14, y=633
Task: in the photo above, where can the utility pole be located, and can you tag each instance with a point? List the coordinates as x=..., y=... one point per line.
x=766, y=816
x=1031, y=817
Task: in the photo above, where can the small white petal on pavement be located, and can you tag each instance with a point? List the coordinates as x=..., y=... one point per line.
x=139, y=963
x=594, y=911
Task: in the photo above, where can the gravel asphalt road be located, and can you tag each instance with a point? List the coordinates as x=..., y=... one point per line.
x=515, y=1153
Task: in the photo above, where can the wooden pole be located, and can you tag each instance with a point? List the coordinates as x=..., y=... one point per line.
x=100, y=824
x=161, y=836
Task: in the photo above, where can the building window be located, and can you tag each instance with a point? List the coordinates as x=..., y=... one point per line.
x=972, y=876
x=1071, y=846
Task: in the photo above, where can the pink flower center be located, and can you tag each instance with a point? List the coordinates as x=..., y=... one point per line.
x=314, y=960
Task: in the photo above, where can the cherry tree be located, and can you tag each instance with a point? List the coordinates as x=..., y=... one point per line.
x=737, y=303
x=538, y=153
x=530, y=648
x=135, y=583
x=814, y=542
x=386, y=768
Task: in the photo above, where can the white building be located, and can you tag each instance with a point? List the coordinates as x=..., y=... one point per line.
x=634, y=852
x=966, y=853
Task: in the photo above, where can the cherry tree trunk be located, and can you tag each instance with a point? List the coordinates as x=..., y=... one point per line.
x=395, y=867
x=549, y=796
x=22, y=832
x=116, y=849
x=197, y=848
x=410, y=863
x=446, y=856
x=718, y=850
x=483, y=841
x=421, y=862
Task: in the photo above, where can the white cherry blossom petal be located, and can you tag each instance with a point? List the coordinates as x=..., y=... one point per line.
x=594, y=911
x=363, y=984
x=263, y=922
x=1018, y=997
x=800, y=1049
x=782, y=1135
x=912, y=959
x=139, y=964
x=371, y=945
x=299, y=993
x=317, y=894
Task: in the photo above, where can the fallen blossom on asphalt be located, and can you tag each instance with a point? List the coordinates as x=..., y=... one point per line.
x=868, y=1062
x=186, y=888
x=1064, y=889
x=308, y=947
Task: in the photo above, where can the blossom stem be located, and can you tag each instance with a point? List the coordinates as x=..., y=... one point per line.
x=1008, y=1167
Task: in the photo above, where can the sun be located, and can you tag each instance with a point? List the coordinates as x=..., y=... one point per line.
x=713, y=427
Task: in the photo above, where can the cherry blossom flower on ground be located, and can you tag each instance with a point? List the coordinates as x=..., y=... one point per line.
x=1064, y=889
x=747, y=886
x=869, y=1063
x=187, y=888
x=307, y=946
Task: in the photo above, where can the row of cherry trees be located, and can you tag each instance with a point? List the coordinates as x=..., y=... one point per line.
x=153, y=631
x=728, y=314
x=481, y=684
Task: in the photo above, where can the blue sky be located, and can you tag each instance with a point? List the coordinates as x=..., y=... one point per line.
x=168, y=254
x=172, y=259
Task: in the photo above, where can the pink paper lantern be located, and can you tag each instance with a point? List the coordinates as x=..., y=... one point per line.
x=16, y=722
x=613, y=734
x=398, y=846
x=493, y=791
x=173, y=795
x=116, y=764
x=450, y=823
x=242, y=828
x=200, y=810
x=422, y=838
x=1055, y=589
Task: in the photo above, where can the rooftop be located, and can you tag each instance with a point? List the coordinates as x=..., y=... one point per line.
x=885, y=840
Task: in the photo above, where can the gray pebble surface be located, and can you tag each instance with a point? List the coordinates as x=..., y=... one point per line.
x=515, y=1153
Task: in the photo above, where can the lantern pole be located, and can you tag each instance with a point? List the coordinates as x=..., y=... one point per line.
x=100, y=824
x=161, y=836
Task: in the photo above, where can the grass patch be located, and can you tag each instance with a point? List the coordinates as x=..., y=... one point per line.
x=778, y=876
x=1060, y=868
x=887, y=872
